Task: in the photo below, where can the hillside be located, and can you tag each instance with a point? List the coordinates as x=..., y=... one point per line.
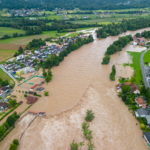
x=71, y=4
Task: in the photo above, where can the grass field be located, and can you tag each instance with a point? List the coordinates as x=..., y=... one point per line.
x=6, y=54
x=4, y=76
x=10, y=31
x=22, y=40
x=135, y=56
x=147, y=57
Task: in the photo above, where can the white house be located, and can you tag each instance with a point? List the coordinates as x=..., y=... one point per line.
x=20, y=57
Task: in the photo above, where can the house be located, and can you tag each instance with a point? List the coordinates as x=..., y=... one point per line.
x=20, y=57
x=3, y=106
x=141, y=113
x=141, y=40
x=33, y=87
x=135, y=89
x=147, y=137
x=148, y=119
x=134, y=43
x=140, y=102
x=40, y=89
x=3, y=90
x=141, y=44
x=148, y=109
x=127, y=83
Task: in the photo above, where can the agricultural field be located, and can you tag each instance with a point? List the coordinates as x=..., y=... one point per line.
x=6, y=54
x=22, y=40
x=10, y=31
x=146, y=58
x=4, y=76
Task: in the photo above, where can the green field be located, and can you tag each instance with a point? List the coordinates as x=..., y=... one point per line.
x=4, y=76
x=135, y=56
x=10, y=31
x=6, y=54
x=147, y=57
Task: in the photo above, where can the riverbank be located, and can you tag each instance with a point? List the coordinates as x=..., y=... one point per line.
x=82, y=77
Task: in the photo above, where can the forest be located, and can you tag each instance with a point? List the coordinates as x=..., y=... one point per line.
x=69, y=5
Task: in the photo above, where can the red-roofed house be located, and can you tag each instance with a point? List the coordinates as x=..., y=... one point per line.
x=140, y=102
x=33, y=87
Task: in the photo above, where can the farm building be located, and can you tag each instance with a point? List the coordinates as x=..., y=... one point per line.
x=31, y=99
x=41, y=113
x=40, y=89
x=33, y=87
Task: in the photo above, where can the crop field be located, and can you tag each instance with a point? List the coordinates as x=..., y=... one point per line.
x=10, y=31
x=6, y=54
x=22, y=40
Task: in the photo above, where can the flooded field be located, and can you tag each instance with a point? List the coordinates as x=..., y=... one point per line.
x=79, y=83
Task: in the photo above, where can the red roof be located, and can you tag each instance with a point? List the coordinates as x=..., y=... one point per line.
x=42, y=112
x=142, y=44
x=34, y=86
x=142, y=39
x=32, y=112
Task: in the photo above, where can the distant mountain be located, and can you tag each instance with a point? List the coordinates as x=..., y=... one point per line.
x=71, y=4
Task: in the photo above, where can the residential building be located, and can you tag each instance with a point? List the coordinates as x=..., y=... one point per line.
x=148, y=119
x=147, y=138
x=3, y=105
x=141, y=112
x=135, y=89
x=140, y=102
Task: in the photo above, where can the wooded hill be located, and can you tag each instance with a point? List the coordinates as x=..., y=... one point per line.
x=71, y=4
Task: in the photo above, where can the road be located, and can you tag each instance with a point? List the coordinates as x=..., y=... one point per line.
x=143, y=70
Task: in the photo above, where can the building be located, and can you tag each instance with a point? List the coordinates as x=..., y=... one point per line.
x=3, y=90
x=40, y=89
x=141, y=113
x=135, y=89
x=147, y=138
x=140, y=102
x=33, y=87
x=31, y=99
x=3, y=106
x=148, y=119
x=148, y=109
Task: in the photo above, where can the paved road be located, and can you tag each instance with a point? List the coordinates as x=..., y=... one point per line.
x=5, y=95
x=143, y=70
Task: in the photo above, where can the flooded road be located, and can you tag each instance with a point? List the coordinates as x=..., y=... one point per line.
x=79, y=83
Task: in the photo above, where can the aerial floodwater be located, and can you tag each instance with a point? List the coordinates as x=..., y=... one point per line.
x=79, y=83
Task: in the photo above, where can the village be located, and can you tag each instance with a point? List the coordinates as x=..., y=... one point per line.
x=24, y=70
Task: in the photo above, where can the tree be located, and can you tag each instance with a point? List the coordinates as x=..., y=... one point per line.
x=44, y=73
x=124, y=97
x=10, y=121
x=48, y=78
x=2, y=131
x=16, y=142
x=106, y=59
x=5, y=125
x=20, y=50
x=89, y=115
x=74, y=146
x=46, y=93
x=35, y=61
x=49, y=72
x=12, y=102
x=13, y=147
x=126, y=88
x=90, y=146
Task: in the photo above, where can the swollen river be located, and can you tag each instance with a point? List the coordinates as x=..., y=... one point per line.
x=79, y=83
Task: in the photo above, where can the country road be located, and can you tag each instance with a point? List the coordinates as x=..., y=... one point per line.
x=143, y=70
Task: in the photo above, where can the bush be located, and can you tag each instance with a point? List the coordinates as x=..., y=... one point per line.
x=142, y=126
x=16, y=142
x=25, y=95
x=46, y=93
x=13, y=147
x=89, y=115
x=74, y=146
x=126, y=88
x=106, y=59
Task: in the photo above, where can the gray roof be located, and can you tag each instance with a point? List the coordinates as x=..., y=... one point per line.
x=141, y=112
x=40, y=89
x=148, y=109
x=147, y=134
x=147, y=118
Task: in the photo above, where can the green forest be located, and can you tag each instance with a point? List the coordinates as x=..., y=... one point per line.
x=67, y=4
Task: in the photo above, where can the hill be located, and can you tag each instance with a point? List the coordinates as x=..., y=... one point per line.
x=71, y=4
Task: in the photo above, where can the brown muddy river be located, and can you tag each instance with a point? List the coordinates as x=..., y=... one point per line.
x=79, y=83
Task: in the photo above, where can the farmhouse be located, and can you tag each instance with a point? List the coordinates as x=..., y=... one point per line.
x=40, y=89
x=31, y=99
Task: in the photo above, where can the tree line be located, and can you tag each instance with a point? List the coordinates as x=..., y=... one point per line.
x=69, y=5
x=116, y=47
x=116, y=29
